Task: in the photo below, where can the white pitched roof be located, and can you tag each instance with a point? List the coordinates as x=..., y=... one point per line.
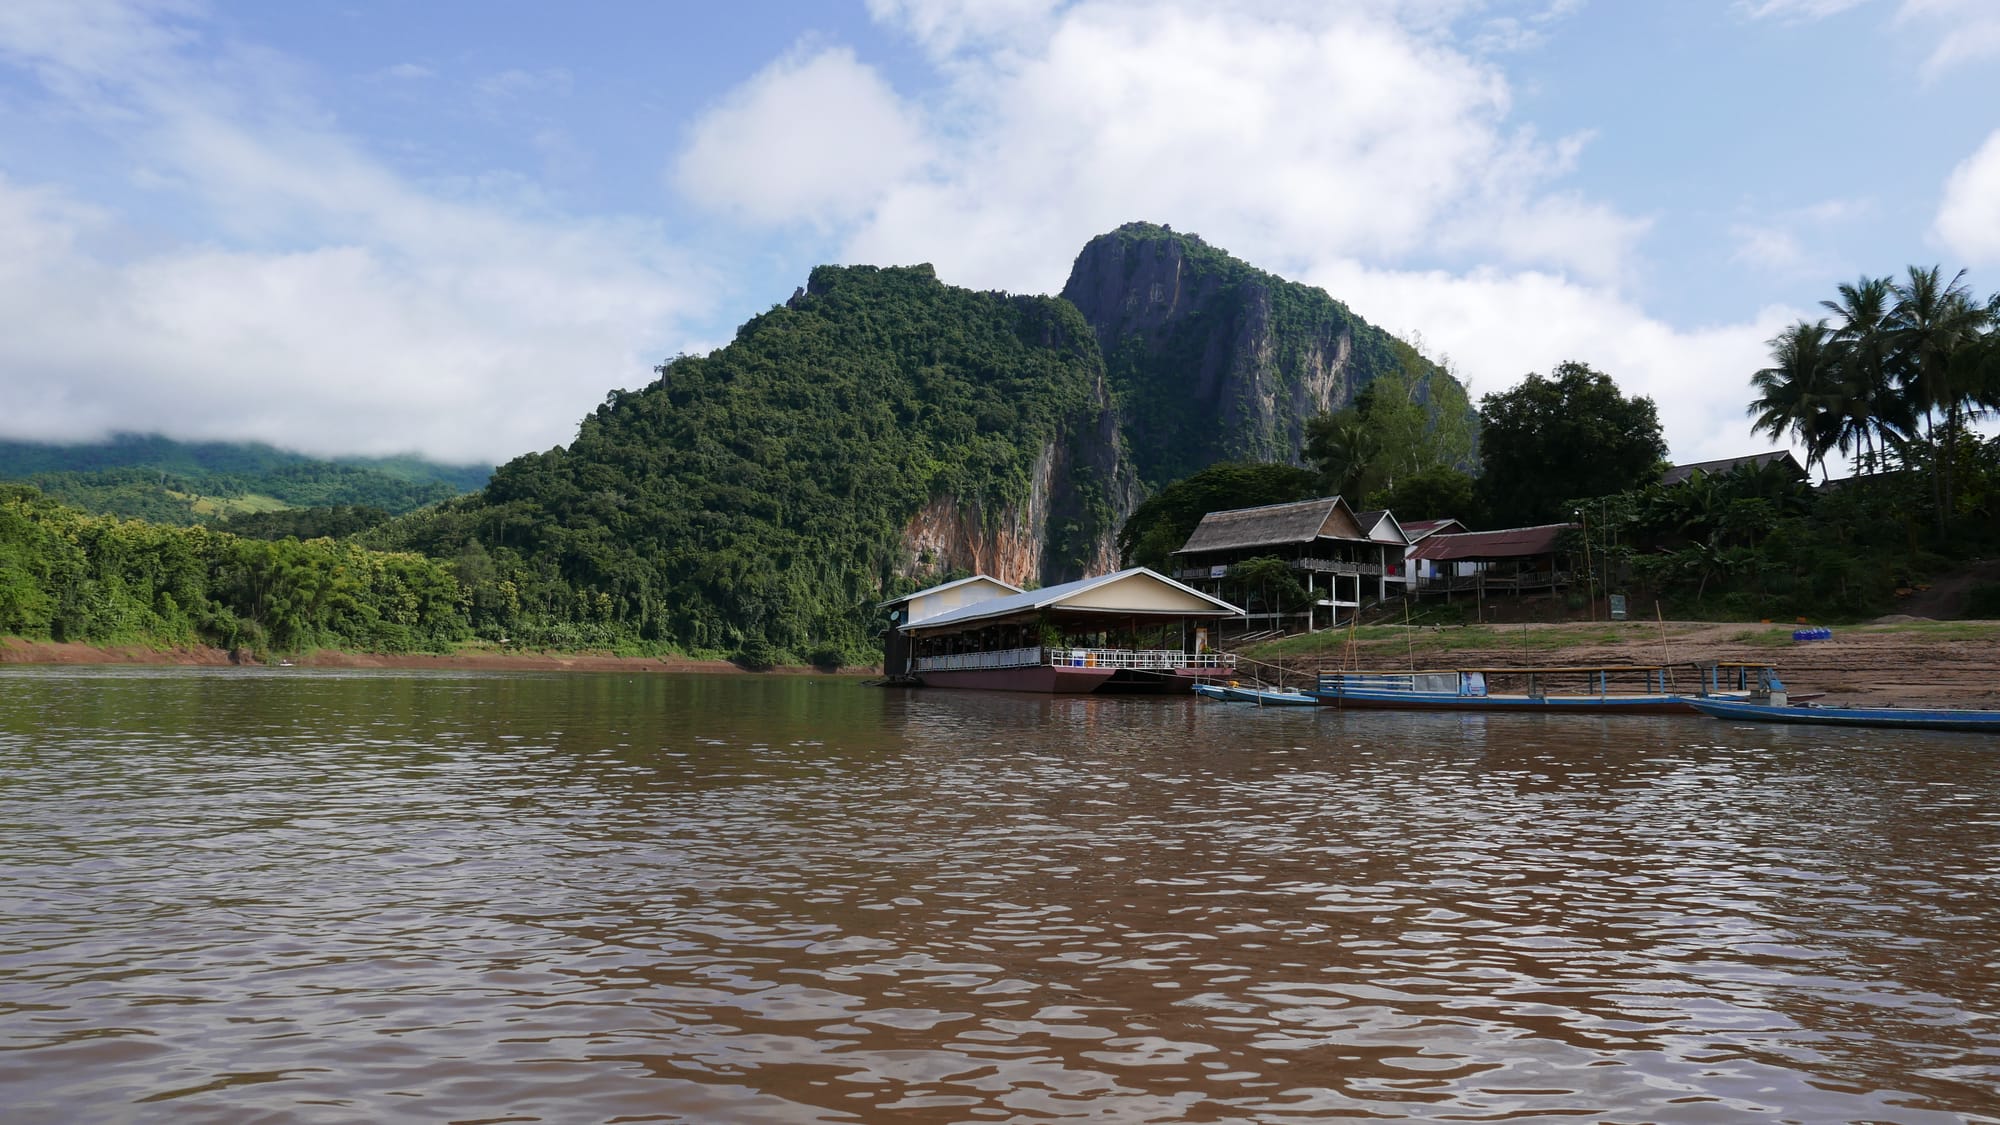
x=947, y=586
x=1076, y=595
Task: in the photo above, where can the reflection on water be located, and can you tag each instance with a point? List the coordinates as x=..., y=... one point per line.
x=321, y=896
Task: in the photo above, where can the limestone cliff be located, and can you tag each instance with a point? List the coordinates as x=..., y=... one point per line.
x=1211, y=359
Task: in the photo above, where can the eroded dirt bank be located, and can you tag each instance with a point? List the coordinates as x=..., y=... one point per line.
x=15, y=650
x=1953, y=664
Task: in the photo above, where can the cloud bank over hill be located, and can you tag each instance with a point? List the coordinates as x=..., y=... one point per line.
x=313, y=298
x=209, y=229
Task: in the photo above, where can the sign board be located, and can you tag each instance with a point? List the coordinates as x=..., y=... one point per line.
x=1617, y=607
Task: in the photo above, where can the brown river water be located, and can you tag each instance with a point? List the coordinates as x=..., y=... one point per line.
x=291, y=895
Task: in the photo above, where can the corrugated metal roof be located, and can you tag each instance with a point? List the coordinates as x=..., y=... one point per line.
x=1419, y=530
x=1508, y=543
x=1728, y=465
x=947, y=586
x=1270, y=525
x=1050, y=595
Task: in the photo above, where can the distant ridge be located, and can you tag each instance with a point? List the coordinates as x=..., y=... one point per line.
x=152, y=477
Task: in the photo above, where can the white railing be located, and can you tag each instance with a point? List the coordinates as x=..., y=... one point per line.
x=1160, y=659
x=1338, y=566
x=1163, y=659
x=966, y=661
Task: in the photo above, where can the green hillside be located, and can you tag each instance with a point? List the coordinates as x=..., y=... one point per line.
x=753, y=501
x=1213, y=359
x=164, y=481
x=69, y=576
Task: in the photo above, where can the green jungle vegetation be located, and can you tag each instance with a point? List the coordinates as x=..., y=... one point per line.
x=751, y=503
x=186, y=483
x=66, y=575
x=1895, y=375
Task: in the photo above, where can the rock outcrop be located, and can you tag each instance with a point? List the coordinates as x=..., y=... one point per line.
x=1211, y=359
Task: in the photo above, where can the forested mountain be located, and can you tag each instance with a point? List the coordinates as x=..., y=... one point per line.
x=69, y=576
x=883, y=430
x=1214, y=360
x=878, y=430
x=146, y=476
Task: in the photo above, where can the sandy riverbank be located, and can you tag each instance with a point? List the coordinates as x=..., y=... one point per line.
x=15, y=650
x=1928, y=664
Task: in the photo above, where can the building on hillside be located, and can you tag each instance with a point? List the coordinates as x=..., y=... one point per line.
x=1338, y=558
x=1681, y=474
x=1136, y=630
x=1382, y=526
x=1425, y=570
x=1515, y=560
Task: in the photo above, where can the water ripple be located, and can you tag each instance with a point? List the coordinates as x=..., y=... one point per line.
x=293, y=895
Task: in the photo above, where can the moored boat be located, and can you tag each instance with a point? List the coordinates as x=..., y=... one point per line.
x=1267, y=697
x=1908, y=718
x=1594, y=689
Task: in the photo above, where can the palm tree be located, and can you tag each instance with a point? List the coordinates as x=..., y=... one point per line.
x=1872, y=412
x=1347, y=451
x=1795, y=392
x=1934, y=328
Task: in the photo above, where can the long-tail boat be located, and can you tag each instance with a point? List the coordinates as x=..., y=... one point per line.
x=1588, y=689
x=1910, y=718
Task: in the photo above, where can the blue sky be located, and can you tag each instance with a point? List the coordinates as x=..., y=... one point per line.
x=451, y=227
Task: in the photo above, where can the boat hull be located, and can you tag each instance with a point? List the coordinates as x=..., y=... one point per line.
x=1902, y=718
x=1263, y=697
x=1651, y=704
x=1043, y=678
x=1070, y=679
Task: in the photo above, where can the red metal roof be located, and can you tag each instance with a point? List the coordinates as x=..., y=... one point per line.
x=1507, y=543
x=1421, y=529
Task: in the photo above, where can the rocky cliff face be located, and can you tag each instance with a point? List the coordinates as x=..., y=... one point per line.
x=1212, y=360
x=1082, y=490
x=1205, y=359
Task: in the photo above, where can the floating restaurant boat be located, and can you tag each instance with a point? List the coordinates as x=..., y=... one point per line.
x=1135, y=631
x=1909, y=718
x=1595, y=689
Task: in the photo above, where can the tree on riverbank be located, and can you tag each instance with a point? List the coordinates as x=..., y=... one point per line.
x=1894, y=378
x=69, y=576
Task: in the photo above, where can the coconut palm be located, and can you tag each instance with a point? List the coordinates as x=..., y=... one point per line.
x=1871, y=411
x=1936, y=329
x=1794, y=393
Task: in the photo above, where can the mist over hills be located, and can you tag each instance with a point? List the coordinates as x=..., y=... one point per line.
x=155, y=478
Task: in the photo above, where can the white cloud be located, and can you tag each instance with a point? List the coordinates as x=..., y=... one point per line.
x=1334, y=143
x=1791, y=243
x=1498, y=327
x=945, y=26
x=1968, y=221
x=1968, y=31
x=813, y=138
x=334, y=308
x=1795, y=10
x=1269, y=129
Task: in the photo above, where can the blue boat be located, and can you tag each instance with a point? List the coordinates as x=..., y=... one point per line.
x=1266, y=697
x=1909, y=718
x=1622, y=689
